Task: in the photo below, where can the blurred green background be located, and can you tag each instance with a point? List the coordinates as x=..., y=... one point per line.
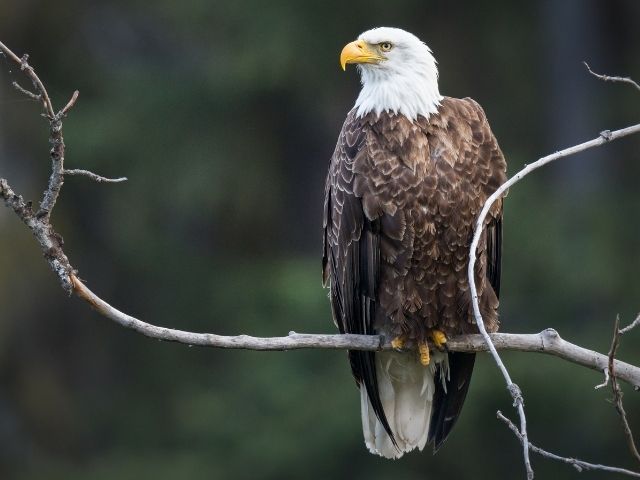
x=223, y=115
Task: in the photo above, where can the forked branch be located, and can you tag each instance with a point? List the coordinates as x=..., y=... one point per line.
x=615, y=387
x=605, y=137
x=579, y=465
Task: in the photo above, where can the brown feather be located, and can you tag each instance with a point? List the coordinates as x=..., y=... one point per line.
x=401, y=200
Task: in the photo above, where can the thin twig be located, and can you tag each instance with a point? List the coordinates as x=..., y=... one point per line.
x=39, y=86
x=631, y=326
x=606, y=379
x=56, y=140
x=608, y=78
x=93, y=176
x=605, y=137
x=69, y=105
x=26, y=92
x=579, y=465
x=617, y=391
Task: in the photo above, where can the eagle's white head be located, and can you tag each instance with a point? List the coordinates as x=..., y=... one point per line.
x=398, y=73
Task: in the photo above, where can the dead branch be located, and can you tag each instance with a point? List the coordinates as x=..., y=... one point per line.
x=606, y=380
x=579, y=465
x=608, y=78
x=93, y=176
x=631, y=326
x=26, y=92
x=69, y=105
x=617, y=391
x=605, y=137
x=548, y=341
x=50, y=242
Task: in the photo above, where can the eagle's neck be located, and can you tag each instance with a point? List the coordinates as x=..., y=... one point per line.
x=411, y=90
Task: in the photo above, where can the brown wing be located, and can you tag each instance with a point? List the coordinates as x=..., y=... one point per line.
x=482, y=151
x=351, y=258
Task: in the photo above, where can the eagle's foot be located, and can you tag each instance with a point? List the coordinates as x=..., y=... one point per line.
x=439, y=338
x=423, y=350
x=397, y=343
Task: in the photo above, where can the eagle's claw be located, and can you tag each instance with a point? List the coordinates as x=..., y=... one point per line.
x=397, y=343
x=439, y=338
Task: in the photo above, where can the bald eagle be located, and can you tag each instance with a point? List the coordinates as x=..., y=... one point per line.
x=409, y=175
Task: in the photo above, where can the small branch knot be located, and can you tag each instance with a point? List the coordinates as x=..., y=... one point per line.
x=56, y=127
x=516, y=393
x=42, y=213
x=24, y=62
x=606, y=135
x=549, y=336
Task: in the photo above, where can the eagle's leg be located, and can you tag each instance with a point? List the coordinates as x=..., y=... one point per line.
x=398, y=343
x=438, y=337
x=423, y=350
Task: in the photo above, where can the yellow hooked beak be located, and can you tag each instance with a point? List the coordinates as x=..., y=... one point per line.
x=358, y=52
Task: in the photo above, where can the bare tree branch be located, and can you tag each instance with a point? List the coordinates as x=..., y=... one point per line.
x=50, y=242
x=26, y=92
x=55, y=132
x=606, y=380
x=605, y=137
x=608, y=78
x=617, y=391
x=93, y=176
x=38, y=85
x=631, y=326
x=69, y=105
x=57, y=166
x=579, y=465
x=548, y=341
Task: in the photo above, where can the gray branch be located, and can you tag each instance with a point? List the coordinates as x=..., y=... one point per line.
x=608, y=78
x=605, y=137
x=50, y=242
x=93, y=176
x=617, y=391
x=579, y=465
x=631, y=326
x=548, y=341
x=26, y=92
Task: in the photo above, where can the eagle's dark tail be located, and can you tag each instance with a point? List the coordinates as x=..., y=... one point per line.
x=448, y=404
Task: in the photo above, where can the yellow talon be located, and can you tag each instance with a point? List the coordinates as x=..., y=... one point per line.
x=439, y=338
x=397, y=343
x=423, y=348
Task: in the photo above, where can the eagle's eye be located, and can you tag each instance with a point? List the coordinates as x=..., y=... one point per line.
x=386, y=46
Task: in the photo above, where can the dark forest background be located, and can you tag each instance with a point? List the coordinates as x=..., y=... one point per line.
x=223, y=115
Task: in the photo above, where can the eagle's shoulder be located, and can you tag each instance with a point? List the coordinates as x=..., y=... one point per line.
x=462, y=118
x=462, y=124
x=464, y=108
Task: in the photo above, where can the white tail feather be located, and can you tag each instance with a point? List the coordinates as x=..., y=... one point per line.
x=406, y=389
